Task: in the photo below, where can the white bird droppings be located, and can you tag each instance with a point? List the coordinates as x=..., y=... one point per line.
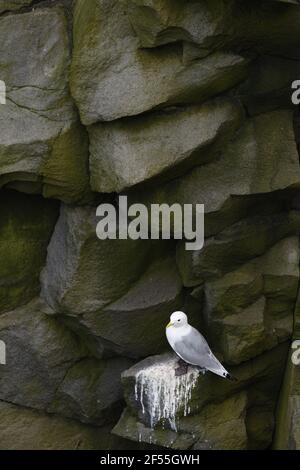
x=162, y=395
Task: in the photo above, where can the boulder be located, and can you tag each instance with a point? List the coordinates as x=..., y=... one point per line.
x=39, y=352
x=262, y=26
x=163, y=101
x=159, y=22
x=251, y=309
x=91, y=391
x=155, y=395
x=218, y=427
x=48, y=368
x=287, y=435
x=26, y=225
x=266, y=27
x=111, y=291
x=121, y=75
x=11, y=5
x=26, y=429
x=207, y=388
x=268, y=85
x=260, y=427
x=261, y=159
x=206, y=412
x=128, y=427
x=83, y=273
x=127, y=152
x=234, y=246
x=43, y=147
x=143, y=312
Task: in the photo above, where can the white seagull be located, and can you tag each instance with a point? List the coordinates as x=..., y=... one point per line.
x=192, y=347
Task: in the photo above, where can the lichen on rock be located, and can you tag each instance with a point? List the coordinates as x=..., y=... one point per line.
x=43, y=147
x=165, y=102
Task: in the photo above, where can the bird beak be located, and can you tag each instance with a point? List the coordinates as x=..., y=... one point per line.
x=169, y=324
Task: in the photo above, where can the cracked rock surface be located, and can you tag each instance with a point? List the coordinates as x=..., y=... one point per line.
x=162, y=101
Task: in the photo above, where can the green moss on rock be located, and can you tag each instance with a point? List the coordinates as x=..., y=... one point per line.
x=26, y=225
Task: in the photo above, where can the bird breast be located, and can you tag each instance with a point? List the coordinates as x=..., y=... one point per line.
x=174, y=334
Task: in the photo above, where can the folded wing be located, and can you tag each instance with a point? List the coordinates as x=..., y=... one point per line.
x=193, y=348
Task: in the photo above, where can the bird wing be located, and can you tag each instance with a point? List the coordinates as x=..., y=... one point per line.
x=193, y=348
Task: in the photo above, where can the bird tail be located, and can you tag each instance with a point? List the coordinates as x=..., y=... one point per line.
x=222, y=372
x=216, y=367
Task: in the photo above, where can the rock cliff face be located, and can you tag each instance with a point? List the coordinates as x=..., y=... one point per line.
x=164, y=101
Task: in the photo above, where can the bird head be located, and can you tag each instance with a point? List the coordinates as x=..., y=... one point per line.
x=178, y=319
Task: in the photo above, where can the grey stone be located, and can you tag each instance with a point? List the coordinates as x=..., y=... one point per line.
x=158, y=22
x=160, y=85
x=268, y=85
x=83, y=273
x=91, y=391
x=39, y=353
x=26, y=226
x=235, y=246
x=287, y=435
x=129, y=428
x=112, y=291
x=251, y=309
x=121, y=76
x=134, y=325
x=25, y=429
x=263, y=26
x=11, y=5
x=258, y=372
x=261, y=159
x=260, y=425
x=218, y=415
x=42, y=144
x=128, y=152
x=220, y=426
x=48, y=368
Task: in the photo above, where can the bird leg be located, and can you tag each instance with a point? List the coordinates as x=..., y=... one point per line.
x=181, y=369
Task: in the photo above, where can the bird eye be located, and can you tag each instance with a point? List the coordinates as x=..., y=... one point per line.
x=178, y=320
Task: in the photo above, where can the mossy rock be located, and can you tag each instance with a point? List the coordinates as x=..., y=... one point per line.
x=251, y=309
x=121, y=75
x=268, y=85
x=26, y=429
x=234, y=246
x=26, y=225
x=287, y=436
x=43, y=147
x=210, y=25
x=111, y=291
x=252, y=173
x=134, y=150
x=221, y=414
x=12, y=5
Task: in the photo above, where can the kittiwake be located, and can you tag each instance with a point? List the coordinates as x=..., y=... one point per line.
x=192, y=347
